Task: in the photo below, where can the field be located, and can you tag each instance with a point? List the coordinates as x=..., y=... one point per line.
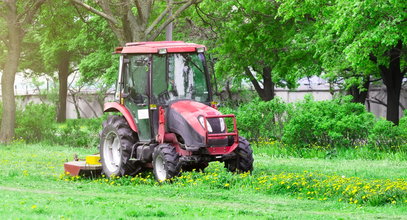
x=32, y=185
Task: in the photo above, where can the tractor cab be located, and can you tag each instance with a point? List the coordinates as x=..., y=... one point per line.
x=164, y=95
x=176, y=71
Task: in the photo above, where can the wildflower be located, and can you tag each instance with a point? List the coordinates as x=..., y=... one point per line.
x=34, y=207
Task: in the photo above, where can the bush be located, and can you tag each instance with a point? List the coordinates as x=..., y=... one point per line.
x=329, y=124
x=261, y=120
x=386, y=136
x=35, y=122
x=78, y=132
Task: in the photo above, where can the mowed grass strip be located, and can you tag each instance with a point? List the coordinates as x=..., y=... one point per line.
x=30, y=188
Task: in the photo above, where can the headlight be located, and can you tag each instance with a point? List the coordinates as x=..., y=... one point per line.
x=222, y=124
x=202, y=121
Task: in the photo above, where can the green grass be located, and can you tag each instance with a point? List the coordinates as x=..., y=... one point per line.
x=30, y=188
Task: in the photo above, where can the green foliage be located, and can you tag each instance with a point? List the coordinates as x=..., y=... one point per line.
x=78, y=132
x=343, y=35
x=386, y=136
x=35, y=122
x=335, y=123
x=247, y=34
x=317, y=128
x=260, y=119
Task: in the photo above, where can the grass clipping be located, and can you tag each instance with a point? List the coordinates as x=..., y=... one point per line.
x=304, y=185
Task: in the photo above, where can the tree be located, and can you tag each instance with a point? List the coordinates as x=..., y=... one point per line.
x=367, y=36
x=56, y=38
x=18, y=18
x=252, y=44
x=130, y=20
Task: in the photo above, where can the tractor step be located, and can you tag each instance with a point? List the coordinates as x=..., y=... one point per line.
x=91, y=167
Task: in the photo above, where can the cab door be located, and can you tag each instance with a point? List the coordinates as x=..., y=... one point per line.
x=136, y=90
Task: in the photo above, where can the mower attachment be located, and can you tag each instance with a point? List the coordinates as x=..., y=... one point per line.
x=91, y=167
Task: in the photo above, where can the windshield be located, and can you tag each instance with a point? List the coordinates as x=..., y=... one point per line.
x=186, y=77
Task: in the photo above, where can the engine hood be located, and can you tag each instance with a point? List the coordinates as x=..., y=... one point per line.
x=182, y=119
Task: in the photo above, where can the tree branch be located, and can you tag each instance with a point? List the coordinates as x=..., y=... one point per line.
x=31, y=12
x=80, y=14
x=139, y=9
x=95, y=11
x=172, y=18
x=157, y=20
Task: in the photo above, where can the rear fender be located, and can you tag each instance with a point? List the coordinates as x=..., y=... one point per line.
x=116, y=107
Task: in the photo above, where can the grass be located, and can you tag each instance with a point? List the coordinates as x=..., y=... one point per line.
x=30, y=188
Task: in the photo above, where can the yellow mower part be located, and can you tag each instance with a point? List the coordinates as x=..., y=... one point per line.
x=93, y=159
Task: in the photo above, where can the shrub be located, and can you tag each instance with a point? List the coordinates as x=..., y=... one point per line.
x=261, y=120
x=78, y=132
x=386, y=136
x=333, y=123
x=35, y=122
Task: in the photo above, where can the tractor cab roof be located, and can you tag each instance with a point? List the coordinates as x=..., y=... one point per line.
x=159, y=47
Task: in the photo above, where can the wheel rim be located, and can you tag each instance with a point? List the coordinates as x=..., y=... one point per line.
x=159, y=168
x=111, y=152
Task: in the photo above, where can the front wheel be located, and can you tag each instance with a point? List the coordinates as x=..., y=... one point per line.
x=165, y=162
x=243, y=162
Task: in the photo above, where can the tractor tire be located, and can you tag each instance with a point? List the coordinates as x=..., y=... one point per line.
x=243, y=162
x=116, y=141
x=166, y=163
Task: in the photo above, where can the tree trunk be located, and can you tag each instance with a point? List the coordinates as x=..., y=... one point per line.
x=63, y=73
x=268, y=85
x=360, y=96
x=267, y=92
x=8, y=77
x=7, y=89
x=393, y=78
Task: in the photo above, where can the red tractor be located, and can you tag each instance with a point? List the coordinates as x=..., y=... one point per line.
x=167, y=120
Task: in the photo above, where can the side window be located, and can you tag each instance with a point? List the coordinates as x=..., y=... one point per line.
x=137, y=78
x=159, y=75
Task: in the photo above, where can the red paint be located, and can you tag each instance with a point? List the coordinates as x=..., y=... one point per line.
x=154, y=46
x=161, y=125
x=72, y=169
x=76, y=168
x=222, y=150
x=220, y=135
x=116, y=107
x=191, y=110
x=118, y=50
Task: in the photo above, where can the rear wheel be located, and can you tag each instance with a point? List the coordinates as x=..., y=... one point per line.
x=165, y=162
x=243, y=162
x=116, y=141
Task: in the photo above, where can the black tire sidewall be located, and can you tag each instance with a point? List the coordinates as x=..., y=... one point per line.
x=127, y=138
x=241, y=163
x=171, y=156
